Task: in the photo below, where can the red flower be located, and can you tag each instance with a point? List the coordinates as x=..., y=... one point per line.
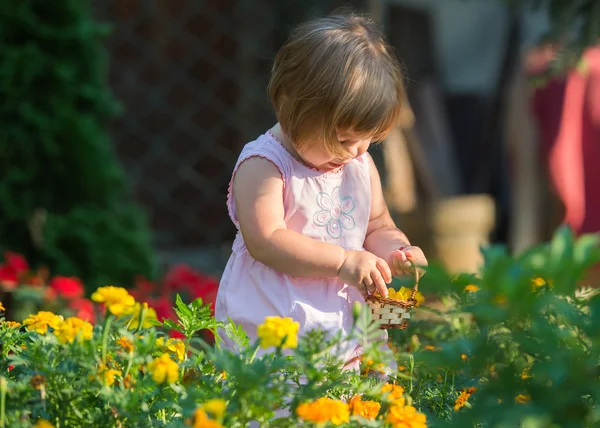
x=143, y=288
x=84, y=309
x=16, y=261
x=198, y=285
x=67, y=287
x=14, y=266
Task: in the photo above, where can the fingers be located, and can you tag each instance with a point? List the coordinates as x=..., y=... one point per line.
x=368, y=285
x=385, y=270
x=379, y=283
x=401, y=263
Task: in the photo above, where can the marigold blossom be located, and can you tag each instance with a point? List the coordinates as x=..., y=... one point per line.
x=72, y=328
x=43, y=423
x=273, y=331
x=11, y=324
x=393, y=393
x=405, y=417
x=164, y=369
x=324, y=410
x=107, y=376
x=176, y=346
x=116, y=299
x=471, y=288
x=366, y=409
x=201, y=420
x=216, y=407
x=463, y=398
x=136, y=312
x=2, y=308
x=522, y=398
x=41, y=321
x=124, y=343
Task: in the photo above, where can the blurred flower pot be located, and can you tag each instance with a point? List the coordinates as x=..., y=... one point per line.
x=461, y=225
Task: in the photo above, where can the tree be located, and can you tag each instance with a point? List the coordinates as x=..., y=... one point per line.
x=64, y=201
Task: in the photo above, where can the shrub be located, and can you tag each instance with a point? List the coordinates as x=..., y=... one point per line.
x=63, y=196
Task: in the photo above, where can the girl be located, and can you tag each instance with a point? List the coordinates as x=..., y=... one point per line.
x=314, y=233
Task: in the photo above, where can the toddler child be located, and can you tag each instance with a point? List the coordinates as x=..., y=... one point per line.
x=314, y=233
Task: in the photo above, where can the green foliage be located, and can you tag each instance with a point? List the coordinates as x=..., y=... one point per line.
x=63, y=197
x=519, y=345
x=528, y=334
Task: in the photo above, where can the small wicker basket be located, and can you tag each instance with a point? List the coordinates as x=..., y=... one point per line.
x=391, y=313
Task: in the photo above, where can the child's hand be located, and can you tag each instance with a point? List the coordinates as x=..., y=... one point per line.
x=400, y=261
x=365, y=271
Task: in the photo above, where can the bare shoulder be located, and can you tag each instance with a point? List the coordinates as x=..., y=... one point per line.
x=255, y=171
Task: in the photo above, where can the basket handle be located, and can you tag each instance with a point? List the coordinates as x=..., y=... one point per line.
x=417, y=277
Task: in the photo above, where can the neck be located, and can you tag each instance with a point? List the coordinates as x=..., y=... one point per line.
x=285, y=141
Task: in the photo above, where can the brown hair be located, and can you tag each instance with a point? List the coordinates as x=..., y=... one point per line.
x=336, y=73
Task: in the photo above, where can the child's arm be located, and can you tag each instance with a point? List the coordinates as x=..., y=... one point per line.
x=257, y=190
x=384, y=239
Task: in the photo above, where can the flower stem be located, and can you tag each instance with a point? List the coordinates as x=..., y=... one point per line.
x=256, y=347
x=412, y=369
x=107, y=322
x=3, y=389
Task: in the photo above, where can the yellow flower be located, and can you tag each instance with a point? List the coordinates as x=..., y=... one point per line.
x=472, y=288
x=136, y=312
x=464, y=357
x=430, y=348
x=406, y=417
x=201, y=420
x=366, y=409
x=72, y=328
x=526, y=374
x=43, y=423
x=124, y=343
x=275, y=329
x=164, y=369
x=178, y=347
x=174, y=345
x=404, y=294
x=2, y=307
x=522, y=398
x=324, y=410
x=540, y=282
x=395, y=393
x=107, y=376
x=11, y=324
x=216, y=407
x=463, y=398
x=116, y=299
x=41, y=321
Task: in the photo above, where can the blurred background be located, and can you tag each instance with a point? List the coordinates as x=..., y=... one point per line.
x=122, y=121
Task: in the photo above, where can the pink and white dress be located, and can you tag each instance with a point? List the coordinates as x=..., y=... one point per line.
x=331, y=207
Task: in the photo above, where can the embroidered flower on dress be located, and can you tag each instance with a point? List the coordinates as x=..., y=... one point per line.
x=335, y=213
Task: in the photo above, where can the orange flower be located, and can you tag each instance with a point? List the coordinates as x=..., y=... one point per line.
x=406, y=417
x=366, y=409
x=324, y=410
x=471, y=288
x=463, y=398
x=393, y=393
x=124, y=343
x=522, y=398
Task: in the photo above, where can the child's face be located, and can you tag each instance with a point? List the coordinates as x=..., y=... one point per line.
x=318, y=157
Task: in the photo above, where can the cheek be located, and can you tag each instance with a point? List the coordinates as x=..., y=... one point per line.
x=363, y=148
